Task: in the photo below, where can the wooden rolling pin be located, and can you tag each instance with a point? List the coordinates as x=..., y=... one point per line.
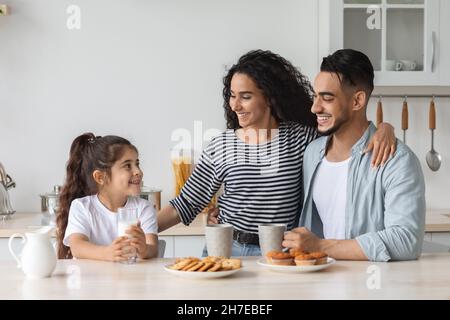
x=379, y=113
x=404, y=119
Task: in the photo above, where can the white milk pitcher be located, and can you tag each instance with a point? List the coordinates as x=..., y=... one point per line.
x=38, y=258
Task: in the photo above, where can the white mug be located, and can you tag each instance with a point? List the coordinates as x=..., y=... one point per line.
x=271, y=236
x=392, y=65
x=409, y=65
x=219, y=239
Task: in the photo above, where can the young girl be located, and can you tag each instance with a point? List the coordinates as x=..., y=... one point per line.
x=103, y=175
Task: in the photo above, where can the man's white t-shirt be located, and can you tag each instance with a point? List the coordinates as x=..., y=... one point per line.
x=330, y=197
x=91, y=218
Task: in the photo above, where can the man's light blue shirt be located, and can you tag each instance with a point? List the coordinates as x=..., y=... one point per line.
x=385, y=208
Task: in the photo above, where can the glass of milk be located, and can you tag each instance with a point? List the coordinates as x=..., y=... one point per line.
x=127, y=217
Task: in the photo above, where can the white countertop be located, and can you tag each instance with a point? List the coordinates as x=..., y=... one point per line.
x=427, y=278
x=436, y=221
x=20, y=223
x=24, y=222
x=196, y=228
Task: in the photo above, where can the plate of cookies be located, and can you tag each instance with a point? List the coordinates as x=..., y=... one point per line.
x=206, y=268
x=296, y=261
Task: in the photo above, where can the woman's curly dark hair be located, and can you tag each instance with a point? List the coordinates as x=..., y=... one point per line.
x=289, y=92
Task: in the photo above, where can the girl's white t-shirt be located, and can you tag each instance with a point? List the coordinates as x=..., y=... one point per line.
x=91, y=218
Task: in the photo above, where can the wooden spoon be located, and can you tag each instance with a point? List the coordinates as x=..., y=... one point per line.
x=405, y=119
x=379, y=112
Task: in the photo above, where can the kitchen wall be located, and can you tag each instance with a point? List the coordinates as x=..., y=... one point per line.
x=418, y=136
x=136, y=68
x=143, y=69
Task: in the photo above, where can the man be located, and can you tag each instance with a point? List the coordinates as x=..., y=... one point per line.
x=351, y=212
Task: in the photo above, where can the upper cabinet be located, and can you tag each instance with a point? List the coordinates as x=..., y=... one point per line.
x=401, y=37
x=444, y=46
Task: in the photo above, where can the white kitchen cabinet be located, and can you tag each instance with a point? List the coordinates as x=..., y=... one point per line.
x=401, y=37
x=444, y=52
x=170, y=246
x=436, y=242
x=183, y=246
x=441, y=238
x=186, y=246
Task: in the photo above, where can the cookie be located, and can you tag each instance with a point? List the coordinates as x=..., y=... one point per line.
x=216, y=267
x=190, y=265
x=231, y=264
x=181, y=264
x=207, y=266
x=197, y=266
x=213, y=259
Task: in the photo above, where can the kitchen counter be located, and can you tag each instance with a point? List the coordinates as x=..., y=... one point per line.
x=20, y=222
x=196, y=228
x=25, y=222
x=436, y=221
x=427, y=278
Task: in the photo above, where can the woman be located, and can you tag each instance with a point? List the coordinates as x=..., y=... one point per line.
x=259, y=159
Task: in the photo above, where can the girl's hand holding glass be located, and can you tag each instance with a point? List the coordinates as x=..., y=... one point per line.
x=115, y=250
x=137, y=240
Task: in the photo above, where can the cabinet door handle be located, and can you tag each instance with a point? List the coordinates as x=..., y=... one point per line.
x=433, y=50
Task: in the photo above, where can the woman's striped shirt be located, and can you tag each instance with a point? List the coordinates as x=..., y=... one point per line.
x=263, y=183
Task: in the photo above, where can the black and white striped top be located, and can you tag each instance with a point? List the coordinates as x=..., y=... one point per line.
x=262, y=182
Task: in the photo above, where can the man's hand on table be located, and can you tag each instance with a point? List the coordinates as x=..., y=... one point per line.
x=303, y=239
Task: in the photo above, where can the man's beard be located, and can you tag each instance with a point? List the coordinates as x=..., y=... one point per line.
x=334, y=128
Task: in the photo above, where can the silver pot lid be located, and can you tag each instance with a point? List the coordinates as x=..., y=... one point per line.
x=54, y=194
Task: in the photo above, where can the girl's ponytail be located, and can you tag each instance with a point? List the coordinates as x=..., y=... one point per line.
x=74, y=187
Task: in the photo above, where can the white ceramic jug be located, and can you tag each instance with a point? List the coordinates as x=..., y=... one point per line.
x=38, y=258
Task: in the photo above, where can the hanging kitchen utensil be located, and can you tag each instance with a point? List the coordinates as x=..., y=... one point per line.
x=5, y=203
x=379, y=112
x=433, y=158
x=405, y=119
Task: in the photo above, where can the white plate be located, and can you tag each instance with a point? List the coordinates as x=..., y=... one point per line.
x=294, y=269
x=201, y=275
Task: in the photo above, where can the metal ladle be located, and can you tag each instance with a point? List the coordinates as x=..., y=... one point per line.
x=433, y=158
